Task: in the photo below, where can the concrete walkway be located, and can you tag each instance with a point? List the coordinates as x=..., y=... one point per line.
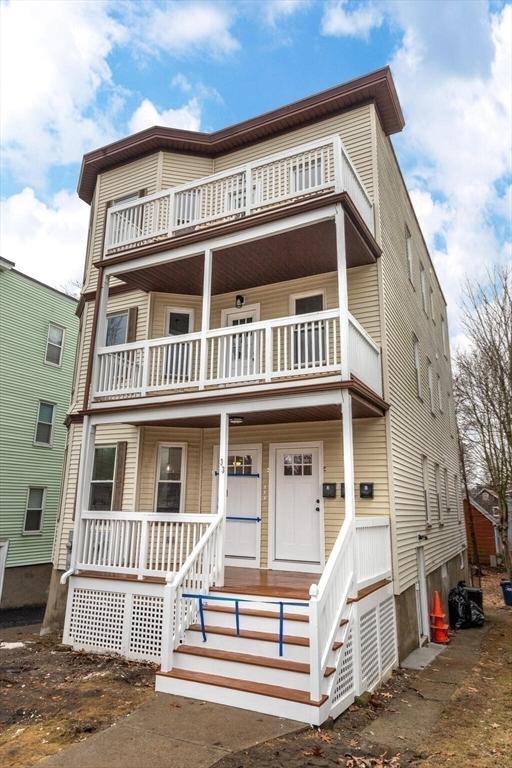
x=172, y=732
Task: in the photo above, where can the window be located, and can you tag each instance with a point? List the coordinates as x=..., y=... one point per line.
x=306, y=174
x=417, y=364
x=240, y=465
x=430, y=376
x=446, y=492
x=440, y=393
x=44, y=426
x=298, y=464
x=102, y=483
x=426, y=499
x=456, y=497
x=432, y=312
x=443, y=336
x=178, y=365
x=423, y=286
x=169, y=490
x=54, y=344
x=117, y=329
x=437, y=477
x=408, y=253
x=309, y=343
x=34, y=511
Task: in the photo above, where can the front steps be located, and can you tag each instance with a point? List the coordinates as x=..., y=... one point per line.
x=245, y=670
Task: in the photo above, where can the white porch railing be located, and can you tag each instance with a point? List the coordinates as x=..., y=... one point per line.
x=263, y=351
x=373, y=550
x=139, y=543
x=305, y=170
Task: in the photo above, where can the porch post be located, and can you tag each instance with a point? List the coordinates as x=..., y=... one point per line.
x=341, y=259
x=222, y=493
x=205, y=319
x=101, y=329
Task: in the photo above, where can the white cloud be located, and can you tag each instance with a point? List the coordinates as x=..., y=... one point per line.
x=146, y=115
x=344, y=19
x=274, y=10
x=46, y=241
x=53, y=67
x=185, y=29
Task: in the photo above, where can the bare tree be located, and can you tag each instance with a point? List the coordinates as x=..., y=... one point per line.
x=72, y=287
x=483, y=390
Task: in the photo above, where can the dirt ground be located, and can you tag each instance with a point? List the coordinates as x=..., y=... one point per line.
x=51, y=697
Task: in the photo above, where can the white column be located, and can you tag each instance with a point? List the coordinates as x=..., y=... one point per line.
x=349, y=475
x=341, y=259
x=205, y=319
x=222, y=493
x=101, y=331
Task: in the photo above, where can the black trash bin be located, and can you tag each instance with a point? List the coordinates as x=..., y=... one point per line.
x=476, y=595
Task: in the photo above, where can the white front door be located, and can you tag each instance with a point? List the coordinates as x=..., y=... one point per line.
x=243, y=513
x=297, y=506
x=240, y=353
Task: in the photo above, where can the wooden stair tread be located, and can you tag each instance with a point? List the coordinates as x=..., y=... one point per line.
x=247, y=686
x=255, y=612
x=368, y=590
x=251, y=634
x=265, y=590
x=249, y=658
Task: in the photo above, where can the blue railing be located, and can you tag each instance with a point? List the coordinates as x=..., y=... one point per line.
x=237, y=600
x=242, y=519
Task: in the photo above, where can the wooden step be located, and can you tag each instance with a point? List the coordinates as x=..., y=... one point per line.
x=368, y=590
x=255, y=612
x=251, y=634
x=248, y=658
x=246, y=686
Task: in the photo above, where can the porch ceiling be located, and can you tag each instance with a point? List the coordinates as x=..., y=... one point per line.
x=302, y=252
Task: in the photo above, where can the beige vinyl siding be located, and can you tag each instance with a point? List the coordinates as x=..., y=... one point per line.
x=353, y=126
x=117, y=303
x=107, y=434
x=414, y=431
x=181, y=168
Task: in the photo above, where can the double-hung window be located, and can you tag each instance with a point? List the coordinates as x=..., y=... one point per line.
x=430, y=378
x=117, y=329
x=54, y=345
x=34, y=511
x=417, y=364
x=102, y=482
x=426, y=497
x=170, y=478
x=437, y=477
x=440, y=393
x=44, y=425
x=446, y=492
x=423, y=287
x=409, y=254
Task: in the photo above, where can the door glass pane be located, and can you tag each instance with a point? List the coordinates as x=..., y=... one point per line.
x=168, y=497
x=178, y=323
x=170, y=463
x=104, y=461
x=117, y=329
x=309, y=304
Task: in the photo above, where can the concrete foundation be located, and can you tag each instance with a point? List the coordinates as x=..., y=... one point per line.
x=56, y=606
x=26, y=585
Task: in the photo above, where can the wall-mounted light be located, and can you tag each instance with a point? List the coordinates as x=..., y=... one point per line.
x=239, y=301
x=366, y=490
x=236, y=420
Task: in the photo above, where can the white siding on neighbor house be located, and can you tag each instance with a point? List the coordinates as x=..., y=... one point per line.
x=414, y=430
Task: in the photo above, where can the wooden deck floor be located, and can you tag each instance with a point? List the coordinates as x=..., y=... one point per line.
x=257, y=581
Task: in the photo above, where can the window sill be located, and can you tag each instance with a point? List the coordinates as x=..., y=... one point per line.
x=32, y=533
x=52, y=365
x=42, y=445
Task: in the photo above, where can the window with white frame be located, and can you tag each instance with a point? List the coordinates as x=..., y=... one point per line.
x=443, y=336
x=102, y=482
x=117, y=329
x=170, y=477
x=306, y=173
x=432, y=310
x=430, y=379
x=456, y=497
x=440, y=393
x=423, y=287
x=437, y=478
x=44, y=425
x=54, y=344
x=417, y=364
x=409, y=254
x=446, y=492
x=426, y=497
x=34, y=511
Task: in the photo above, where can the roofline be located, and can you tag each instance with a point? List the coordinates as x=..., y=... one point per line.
x=44, y=285
x=377, y=87
x=5, y=264
x=476, y=506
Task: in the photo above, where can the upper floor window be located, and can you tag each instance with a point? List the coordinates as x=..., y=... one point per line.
x=443, y=336
x=417, y=364
x=440, y=393
x=44, y=426
x=117, y=329
x=408, y=253
x=423, y=287
x=437, y=477
x=170, y=477
x=430, y=379
x=54, y=344
x=34, y=510
x=446, y=492
x=426, y=497
x=432, y=309
x=102, y=482
x=457, y=497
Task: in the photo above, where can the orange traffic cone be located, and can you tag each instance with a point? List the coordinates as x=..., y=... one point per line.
x=438, y=626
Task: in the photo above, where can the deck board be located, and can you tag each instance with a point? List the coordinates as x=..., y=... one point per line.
x=267, y=583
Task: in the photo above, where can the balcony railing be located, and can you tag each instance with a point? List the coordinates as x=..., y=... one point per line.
x=306, y=170
x=282, y=348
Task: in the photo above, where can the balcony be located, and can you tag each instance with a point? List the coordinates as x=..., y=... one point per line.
x=306, y=171
x=280, y=349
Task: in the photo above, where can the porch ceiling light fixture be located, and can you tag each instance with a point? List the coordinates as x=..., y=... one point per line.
x=239, y=301
x=236, y=420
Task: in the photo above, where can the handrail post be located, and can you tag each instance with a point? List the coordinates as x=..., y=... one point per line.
x=338, y=163
x=222, y=495
x=314, y=644
x=248, y=189
x=168, y=627
x=205, y=319
x=145, y=367
x=143, y=551
x=269, y=356
x=172, y=203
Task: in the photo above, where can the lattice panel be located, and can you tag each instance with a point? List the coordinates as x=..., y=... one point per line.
x=369, y=648
x=344, y=682
x=96, y=619
x=146, y=627
x=387, y=632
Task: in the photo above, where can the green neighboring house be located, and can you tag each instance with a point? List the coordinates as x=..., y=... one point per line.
x=38, y=336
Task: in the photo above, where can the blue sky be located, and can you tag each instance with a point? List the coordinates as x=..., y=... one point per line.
x=76, y=75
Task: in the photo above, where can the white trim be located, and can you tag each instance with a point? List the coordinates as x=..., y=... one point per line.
x=4, y=551
x=283, y=565
x=49, y=362
x=246, y=309
x=182, y=311
x=256, y=448
x=39, y=531
x=304, y=295
x=183, y=473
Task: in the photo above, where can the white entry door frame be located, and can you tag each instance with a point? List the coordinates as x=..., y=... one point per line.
x=273, y=509
x=242, y=536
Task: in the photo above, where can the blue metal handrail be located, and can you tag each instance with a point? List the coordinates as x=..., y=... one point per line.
x=237, y=601
x=240, y=518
